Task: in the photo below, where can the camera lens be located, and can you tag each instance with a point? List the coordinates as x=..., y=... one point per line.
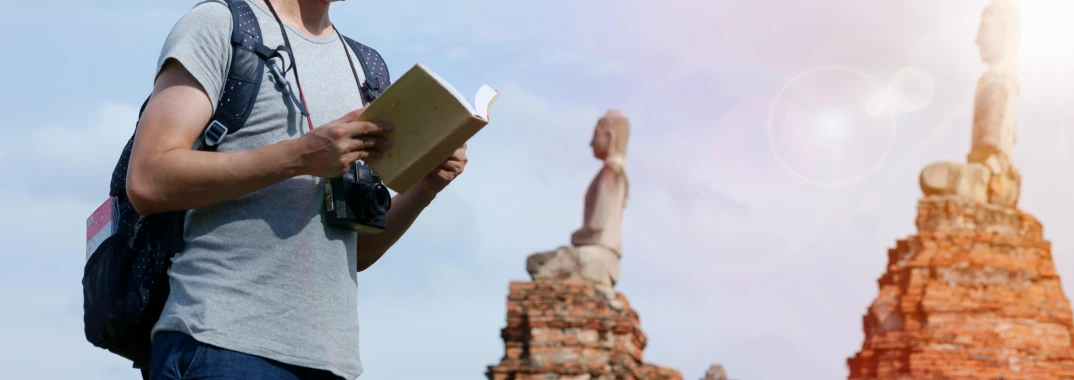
x=382, y=201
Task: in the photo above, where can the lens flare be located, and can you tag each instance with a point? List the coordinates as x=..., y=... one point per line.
x=1045, y=60
x=837, y=136
x=741, y=161
x=697, y=121
x=911, y=89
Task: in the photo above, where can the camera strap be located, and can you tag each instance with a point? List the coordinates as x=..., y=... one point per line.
x=294, y=65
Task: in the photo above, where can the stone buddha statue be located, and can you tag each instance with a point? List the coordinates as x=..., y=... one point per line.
x=988, y=176
x=596, y=247
x=996, y=99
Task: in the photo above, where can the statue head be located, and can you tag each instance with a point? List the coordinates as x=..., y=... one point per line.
x=1000, y=33
x=611, y=135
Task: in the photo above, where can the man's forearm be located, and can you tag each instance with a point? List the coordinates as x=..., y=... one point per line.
x=405, y=209
x=183, y=179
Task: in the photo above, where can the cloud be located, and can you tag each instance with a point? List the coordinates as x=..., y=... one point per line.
x=573, y=60
x=524, y=187
x=457, y=53
x=60, y=173
x=43, y=252
x=527, y=168
x=801, y=245
x=524, y=191
x=69, y=158
x=728, y=256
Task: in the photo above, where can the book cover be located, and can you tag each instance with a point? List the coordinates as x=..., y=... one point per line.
x=430, y=120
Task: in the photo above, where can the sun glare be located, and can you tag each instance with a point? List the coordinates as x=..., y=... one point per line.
x=830, y=127
x=1047, y=34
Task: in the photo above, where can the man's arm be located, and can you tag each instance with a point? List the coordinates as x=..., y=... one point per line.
x=166, y=174
x=405, y=209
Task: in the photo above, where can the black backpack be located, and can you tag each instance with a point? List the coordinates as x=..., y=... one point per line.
x=125, y=281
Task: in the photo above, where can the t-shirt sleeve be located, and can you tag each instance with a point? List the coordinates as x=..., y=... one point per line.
x=200, y=41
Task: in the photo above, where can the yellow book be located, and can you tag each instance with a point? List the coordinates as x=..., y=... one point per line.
x=429, y=120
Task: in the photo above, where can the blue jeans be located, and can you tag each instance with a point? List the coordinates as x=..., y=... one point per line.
x=177, y=356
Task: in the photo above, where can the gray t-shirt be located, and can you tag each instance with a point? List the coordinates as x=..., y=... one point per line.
x=262, y=274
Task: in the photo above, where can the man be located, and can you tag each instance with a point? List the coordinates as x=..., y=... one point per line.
x=264, y=289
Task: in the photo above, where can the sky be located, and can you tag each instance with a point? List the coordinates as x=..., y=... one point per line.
x=772, y=165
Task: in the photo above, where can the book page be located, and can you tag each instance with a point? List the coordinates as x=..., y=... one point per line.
x=449, y=87
x=483, y=101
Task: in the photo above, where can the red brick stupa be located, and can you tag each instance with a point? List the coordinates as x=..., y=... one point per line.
x=570, y=330
x=975, y=294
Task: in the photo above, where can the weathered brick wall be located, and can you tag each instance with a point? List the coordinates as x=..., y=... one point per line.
x=974, y=295
x=569, y=330
x=655, y=372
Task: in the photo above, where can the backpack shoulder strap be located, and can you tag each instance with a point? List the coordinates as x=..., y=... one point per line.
x=376, y=71
x=248, y=61
x=240, y=90
x=248, y=56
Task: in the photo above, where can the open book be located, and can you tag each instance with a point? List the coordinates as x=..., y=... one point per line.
x=429, y=119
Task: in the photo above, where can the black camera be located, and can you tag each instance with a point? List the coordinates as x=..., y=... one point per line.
x=357, y=200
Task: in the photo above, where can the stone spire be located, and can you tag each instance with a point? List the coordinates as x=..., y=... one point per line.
x=715, y=372
x=974, y=294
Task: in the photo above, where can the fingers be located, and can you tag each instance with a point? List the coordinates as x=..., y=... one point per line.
x=364, y=155
x=362, y=140
x=459, y=156
x=350, y=144
x=351, y=116
x=371, y=142
x=456, y=162
x=363, y=128
x=453, y=166
x=362, y=148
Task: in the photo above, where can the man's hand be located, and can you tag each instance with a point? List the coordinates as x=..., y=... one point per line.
x=166, y=175
x=329, y=150
x=406, y=207
x=447, y=171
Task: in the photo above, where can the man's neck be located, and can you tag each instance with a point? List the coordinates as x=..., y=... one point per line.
x=308, y=16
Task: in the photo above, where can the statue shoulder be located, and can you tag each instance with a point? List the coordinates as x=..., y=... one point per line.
x=997, y=85
x=998, y=78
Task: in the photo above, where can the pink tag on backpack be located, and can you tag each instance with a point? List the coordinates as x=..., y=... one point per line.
x=100, y=225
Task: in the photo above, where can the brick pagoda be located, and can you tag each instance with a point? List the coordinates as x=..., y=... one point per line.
x=975, y=294
x=560, y=329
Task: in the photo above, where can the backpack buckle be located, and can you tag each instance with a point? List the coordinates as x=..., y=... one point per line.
x=371, y=91
x=215, y=133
